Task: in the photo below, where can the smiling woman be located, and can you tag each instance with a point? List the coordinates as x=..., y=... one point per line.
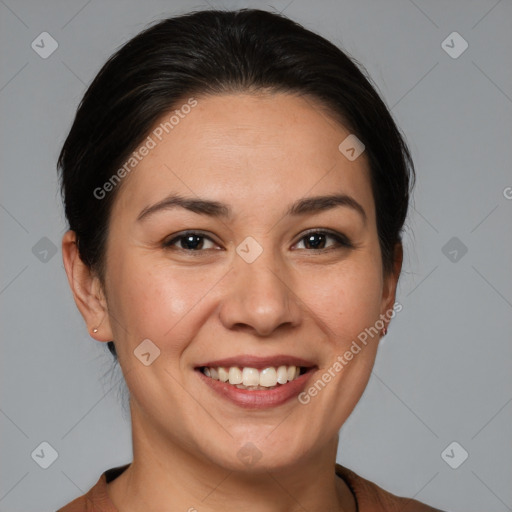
x=233, y=266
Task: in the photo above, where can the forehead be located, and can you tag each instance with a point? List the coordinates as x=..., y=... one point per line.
x=250, y=150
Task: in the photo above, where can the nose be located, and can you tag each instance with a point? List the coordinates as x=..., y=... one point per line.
x=258, y=299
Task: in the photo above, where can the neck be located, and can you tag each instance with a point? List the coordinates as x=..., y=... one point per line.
x=166, y=474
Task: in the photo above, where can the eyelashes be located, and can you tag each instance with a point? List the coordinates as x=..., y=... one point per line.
x=194, y=238
x=341, y=241
x=196, y=241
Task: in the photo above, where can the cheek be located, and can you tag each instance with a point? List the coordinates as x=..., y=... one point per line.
x=155, y=301
x=346, y=300
x=164, y=303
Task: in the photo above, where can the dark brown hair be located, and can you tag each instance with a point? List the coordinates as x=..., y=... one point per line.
x=212, y=52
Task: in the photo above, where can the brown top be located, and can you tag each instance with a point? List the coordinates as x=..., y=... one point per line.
x=369, y=497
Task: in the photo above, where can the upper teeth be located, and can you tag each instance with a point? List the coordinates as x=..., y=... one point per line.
x=267, y=377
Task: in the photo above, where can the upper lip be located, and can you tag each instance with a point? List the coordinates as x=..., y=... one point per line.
x=250, y=361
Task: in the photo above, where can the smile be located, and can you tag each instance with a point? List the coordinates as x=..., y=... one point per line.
x=255, y=382
x=252, y=378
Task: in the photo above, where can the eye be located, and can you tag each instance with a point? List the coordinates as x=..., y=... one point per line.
x=190, y=241
x=317, y=240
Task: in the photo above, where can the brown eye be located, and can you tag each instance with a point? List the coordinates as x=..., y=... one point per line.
x=190, y=241
x=315, y=241
x=318, y=240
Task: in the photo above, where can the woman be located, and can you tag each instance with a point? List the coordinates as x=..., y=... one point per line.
x=236, y=192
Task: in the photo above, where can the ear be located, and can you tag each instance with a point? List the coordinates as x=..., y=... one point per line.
x=391, y=281
x=87, y=290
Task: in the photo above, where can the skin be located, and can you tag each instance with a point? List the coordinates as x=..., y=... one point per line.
x=257, y=153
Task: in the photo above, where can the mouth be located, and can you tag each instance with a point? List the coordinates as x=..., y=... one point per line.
x=253, y=379
x=255, y=382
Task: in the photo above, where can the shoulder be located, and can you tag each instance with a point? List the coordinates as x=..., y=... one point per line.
x=96, y=499
x=372, y=498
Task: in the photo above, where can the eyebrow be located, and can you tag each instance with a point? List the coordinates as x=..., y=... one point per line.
x=322, y=203
x=220, y=210
x=201, y=206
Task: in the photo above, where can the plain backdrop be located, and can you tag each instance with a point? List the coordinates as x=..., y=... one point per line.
x=443, y=373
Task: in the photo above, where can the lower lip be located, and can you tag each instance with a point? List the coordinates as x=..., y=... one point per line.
x=261, y=398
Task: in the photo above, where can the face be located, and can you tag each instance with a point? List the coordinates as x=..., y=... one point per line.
x=251, y=270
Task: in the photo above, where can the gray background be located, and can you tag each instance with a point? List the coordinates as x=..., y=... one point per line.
x=443, y=373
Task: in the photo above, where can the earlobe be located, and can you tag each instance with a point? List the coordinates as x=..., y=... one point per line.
x=87, y=290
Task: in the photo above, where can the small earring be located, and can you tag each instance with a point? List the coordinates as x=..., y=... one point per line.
x=384, y=331
x=95, y=330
